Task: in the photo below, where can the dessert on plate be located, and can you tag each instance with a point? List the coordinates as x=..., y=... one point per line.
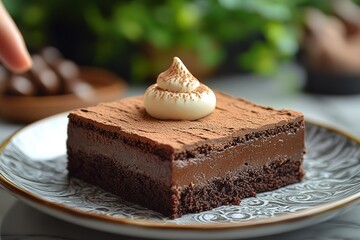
x=182, y=148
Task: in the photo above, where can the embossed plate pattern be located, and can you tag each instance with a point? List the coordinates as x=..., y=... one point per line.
x=33, y=167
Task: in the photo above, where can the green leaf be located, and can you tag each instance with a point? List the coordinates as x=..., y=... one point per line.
x=210, y=53
x=259, y=59
x=269, y=9
x=282, y=37
x=188, y=16
x=95, y=20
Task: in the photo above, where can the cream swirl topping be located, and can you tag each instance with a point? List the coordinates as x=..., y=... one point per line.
x=178, y=95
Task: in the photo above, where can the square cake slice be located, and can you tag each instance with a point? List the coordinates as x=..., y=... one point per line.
x=180, y=167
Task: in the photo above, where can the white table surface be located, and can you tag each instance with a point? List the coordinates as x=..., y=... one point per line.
x=19, y=221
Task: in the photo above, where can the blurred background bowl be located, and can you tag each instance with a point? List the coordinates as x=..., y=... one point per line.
x=106, y=86
x=332, y=83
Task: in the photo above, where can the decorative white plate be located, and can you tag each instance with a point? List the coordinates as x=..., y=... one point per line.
x=33, y=168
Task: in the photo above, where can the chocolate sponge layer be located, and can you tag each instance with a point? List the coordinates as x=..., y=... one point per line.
x=174, y=201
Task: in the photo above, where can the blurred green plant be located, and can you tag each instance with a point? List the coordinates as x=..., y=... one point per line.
x=127, y=36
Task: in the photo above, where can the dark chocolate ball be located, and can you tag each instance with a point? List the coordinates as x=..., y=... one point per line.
x=50, y=82
x=38, y=63
x=20, y=85
x=51, y=55
x=43, y=77
x=67, y=69
x=83, y=90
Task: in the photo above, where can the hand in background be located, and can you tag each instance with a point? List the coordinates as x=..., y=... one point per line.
x=13, y=52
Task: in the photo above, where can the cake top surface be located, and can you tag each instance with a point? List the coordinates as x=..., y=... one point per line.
x=233, y=117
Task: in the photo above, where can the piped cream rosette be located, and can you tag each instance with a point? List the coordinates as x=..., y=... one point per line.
x=178, y=95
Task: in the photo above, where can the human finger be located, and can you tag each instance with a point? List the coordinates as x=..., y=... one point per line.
x=13, y=52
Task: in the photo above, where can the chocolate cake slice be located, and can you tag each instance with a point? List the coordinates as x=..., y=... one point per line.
x=179, y=167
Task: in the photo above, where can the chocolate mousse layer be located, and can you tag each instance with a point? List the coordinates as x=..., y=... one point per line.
x=177, y=167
